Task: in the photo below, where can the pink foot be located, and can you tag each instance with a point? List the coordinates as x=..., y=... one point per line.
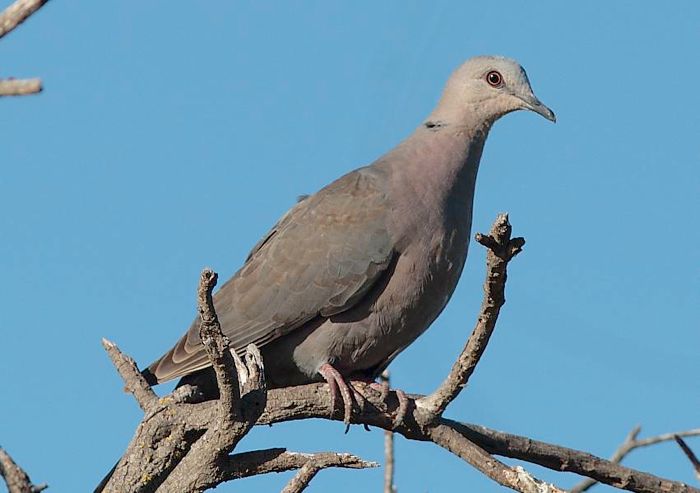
x=383, y=389
x=402, y=410
x=336, y=383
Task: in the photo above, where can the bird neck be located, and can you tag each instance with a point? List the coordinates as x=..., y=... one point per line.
x=440, y=162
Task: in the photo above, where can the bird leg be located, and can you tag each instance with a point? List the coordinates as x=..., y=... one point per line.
x=348, y=393
x=336, y=383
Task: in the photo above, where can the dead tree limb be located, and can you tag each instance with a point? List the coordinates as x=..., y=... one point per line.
x=234, y=417
x=16, y=479
x=169, y=451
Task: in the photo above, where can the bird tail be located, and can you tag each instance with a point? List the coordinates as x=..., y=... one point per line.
x=150, y=377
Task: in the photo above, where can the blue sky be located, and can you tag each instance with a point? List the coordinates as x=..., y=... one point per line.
x=171, y=135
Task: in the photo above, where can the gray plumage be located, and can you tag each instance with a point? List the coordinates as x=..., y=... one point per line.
x=354, y=273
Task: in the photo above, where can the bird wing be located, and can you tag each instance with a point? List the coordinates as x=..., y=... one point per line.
x=318, y=260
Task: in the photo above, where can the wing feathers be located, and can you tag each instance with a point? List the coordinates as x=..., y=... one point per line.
x=321, y=258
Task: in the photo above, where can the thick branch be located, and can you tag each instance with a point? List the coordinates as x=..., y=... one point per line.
x=501, y=249
x=309, y=401
x=16, y=479
x=632, y=442
x=19, y=87
x=515, y=479
x=17, y=13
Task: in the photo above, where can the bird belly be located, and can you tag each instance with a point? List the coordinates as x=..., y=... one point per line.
x=362, y=341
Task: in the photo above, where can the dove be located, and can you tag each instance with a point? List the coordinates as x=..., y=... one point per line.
x=354, y=273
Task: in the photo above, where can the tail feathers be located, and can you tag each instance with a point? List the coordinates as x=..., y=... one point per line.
x=150, y=377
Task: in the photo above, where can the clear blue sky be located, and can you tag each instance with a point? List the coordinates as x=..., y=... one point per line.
x=171, y=135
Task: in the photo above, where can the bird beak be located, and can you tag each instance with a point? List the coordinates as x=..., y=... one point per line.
x=533, y=104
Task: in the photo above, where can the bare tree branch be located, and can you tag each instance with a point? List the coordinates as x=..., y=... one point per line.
x=315, y=462
x=16, y=479
x=217, y=347
x=18, y=87
x=172, y=453
x=233, y=420
x=266, y=461
x=689, y=454
x=184, y=446
x=501, y=249
x=388, y=445
x=630, y=443
x=309, y=401
x=17, y=13
x=514, y=478
x=133, y=380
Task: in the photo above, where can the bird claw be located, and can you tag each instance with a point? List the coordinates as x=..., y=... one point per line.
x=402, y=409
x=336, y=383
x=348, y=393
x=384, y=390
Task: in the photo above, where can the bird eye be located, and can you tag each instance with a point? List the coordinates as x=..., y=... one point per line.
x=494, y=79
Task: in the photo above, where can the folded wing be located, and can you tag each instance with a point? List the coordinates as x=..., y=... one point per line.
x=320, y=259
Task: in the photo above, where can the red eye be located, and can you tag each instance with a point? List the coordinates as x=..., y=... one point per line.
x=494, y=79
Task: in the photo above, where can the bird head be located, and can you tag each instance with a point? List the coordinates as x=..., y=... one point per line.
x=489, y=87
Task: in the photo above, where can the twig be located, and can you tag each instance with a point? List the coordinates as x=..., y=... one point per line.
x=17, y=13
x=257, y=462
x=501, y=249
x=133, y=380
x=16, y=479
x=315, y=462
x=689, y=454
x=388, y=446
x=630, y=443
x=19, y=87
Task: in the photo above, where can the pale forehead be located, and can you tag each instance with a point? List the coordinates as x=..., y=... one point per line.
x=479, y=66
